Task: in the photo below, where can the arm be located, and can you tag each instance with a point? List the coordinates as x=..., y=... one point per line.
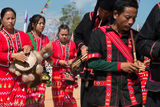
x=80, y=31
x=55, y=59
x=74, y=53
x=7, y=56
x=148, y=42
x=55, y=56
x=99, y=64
x=95, y=50
x=97, y=56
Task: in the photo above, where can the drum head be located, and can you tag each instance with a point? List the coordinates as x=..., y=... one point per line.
x=28, y=65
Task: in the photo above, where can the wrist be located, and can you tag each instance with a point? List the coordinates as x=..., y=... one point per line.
x=13, y=56
x=43, y=51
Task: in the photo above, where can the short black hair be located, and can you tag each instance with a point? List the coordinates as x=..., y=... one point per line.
x=63, y=26
x=121, y=4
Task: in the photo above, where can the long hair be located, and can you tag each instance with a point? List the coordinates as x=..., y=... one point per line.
x=34, y=20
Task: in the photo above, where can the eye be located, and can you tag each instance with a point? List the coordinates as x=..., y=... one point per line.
x=128, y=17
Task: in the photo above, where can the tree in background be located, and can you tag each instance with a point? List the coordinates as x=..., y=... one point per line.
x=70, y=16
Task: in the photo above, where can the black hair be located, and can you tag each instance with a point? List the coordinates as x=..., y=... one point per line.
x=121, y=4
x=63, y=26
x=34, y=20
x=4, y=10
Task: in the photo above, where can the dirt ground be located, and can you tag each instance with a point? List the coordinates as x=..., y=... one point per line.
x=48, y=98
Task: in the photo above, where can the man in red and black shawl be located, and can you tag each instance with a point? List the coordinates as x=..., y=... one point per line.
x=116, y=83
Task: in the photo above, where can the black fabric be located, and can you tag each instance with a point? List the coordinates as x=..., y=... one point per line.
x=153, y=99
x=86, y=93
x=83, y=31
x=148, y=44
x=82, y=35
x=107, y=4
x=149, y=34
x=120, y=93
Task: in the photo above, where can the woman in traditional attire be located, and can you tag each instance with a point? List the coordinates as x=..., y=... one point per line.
x=12, y=41
x=64, y=54
x=36, y=95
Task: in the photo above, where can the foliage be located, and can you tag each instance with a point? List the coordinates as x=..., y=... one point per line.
x=70, y=16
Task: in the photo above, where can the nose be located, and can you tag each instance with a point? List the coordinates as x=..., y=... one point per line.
x=42, y=25
x=131, y=21
x=10, y=20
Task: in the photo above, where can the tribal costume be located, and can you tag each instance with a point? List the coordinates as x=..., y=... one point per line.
x=112, y=88
x=82, y=37
x=36, y=95
x=62, y=91
x=12, y=89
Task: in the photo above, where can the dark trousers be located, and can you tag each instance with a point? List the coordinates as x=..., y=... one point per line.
x=86, y=93
x=153, y=99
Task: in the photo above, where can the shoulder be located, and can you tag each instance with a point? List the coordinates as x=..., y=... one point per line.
x=45, y=36
x=55, y=42
x=1, y=35
x=97, y=34
x=105, y=29
x=156, y=8
x=72, y=42
x=88, y=16
x=135, y=31
x=21, y=32
x=158, y=5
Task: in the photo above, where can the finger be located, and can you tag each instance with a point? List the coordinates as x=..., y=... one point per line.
x=134, y=69
x=135, y=65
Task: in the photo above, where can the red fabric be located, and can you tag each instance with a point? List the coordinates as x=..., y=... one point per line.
x=143, y=77
x=94, y=55
x=119, y=66
x=62, y=92
x=118, y=43
x=12, y=90
x=36, y=95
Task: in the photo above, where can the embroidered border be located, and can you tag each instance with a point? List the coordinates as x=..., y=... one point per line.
x=109, y=75
x=94, y=55
x=131, y=92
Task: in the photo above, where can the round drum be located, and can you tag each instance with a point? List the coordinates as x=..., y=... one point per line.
x=28, y=65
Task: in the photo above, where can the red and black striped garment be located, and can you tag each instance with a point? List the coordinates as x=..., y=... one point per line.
x=112, y=87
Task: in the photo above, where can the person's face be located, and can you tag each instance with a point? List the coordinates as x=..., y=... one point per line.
x=104, y=14
x=126, y=19
x=9, y=20
x=40, y=26
x=63, y=35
